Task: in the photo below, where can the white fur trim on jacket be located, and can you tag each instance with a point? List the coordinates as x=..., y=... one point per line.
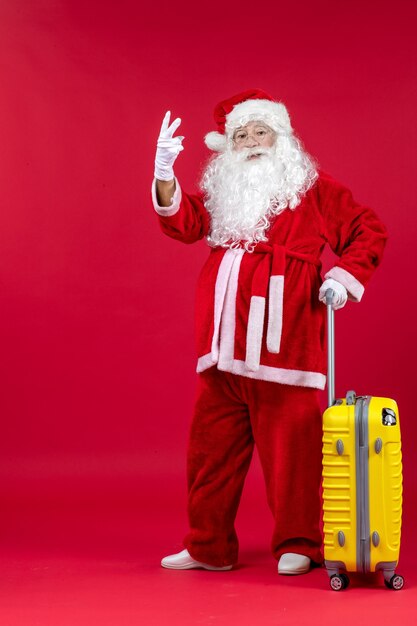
x=275, y=312
x=222, y=280
x=281, y=375
x=354, y=288
x=255, y=332
x=206, y=361
x=167, y=211
x=228, y=318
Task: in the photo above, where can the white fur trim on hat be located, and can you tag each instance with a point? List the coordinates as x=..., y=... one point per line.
x=274, y=114
x=215, y=141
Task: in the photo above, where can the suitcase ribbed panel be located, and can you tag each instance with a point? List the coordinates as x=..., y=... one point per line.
x=339, y=485
x=385, y=483
x=363, y=538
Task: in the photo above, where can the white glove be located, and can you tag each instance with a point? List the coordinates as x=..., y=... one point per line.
x=339, y=296
x=167, y=148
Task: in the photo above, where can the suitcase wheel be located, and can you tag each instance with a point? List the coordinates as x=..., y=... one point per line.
x=396, y=582
x=338, y=582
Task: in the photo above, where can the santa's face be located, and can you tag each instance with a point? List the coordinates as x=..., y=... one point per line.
x=259, y=175
x=252, y=135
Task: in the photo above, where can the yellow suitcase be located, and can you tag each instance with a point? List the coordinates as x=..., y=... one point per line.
x=362, y=483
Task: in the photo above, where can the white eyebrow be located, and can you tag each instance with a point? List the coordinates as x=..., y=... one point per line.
x=257, y=125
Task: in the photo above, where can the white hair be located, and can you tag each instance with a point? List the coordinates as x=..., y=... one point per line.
x=242, y=195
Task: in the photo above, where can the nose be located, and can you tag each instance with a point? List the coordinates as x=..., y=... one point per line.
x=251, y=141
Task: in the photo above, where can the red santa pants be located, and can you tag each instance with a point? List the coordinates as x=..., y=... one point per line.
x=233, y=413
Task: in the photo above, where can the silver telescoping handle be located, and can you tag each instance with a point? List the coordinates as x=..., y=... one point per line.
x=331, y=399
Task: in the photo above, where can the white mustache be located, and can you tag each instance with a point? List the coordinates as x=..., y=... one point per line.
x=246, y=153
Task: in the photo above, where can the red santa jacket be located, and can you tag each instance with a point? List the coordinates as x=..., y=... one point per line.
x=258, y=313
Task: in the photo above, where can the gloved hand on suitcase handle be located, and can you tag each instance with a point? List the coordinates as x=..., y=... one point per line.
x=340, y=295
x=167, y=148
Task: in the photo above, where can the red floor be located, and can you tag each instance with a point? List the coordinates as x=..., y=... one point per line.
x=71, y=590
x=93, y=558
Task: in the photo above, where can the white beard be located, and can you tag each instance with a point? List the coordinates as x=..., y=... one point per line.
x=243, y=195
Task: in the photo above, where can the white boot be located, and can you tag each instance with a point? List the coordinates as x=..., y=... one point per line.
x=292, y=564
x=183, y=560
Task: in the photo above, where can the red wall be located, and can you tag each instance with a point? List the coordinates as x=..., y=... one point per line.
x=97, y=368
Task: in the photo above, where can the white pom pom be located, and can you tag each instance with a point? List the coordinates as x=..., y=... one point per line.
x=215, y=141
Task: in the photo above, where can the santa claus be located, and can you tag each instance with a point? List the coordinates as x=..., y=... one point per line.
x=266, y=213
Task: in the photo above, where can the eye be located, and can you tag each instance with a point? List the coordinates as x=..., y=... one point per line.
x=240, y=136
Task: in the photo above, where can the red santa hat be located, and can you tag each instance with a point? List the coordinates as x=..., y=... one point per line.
x=250, y=105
